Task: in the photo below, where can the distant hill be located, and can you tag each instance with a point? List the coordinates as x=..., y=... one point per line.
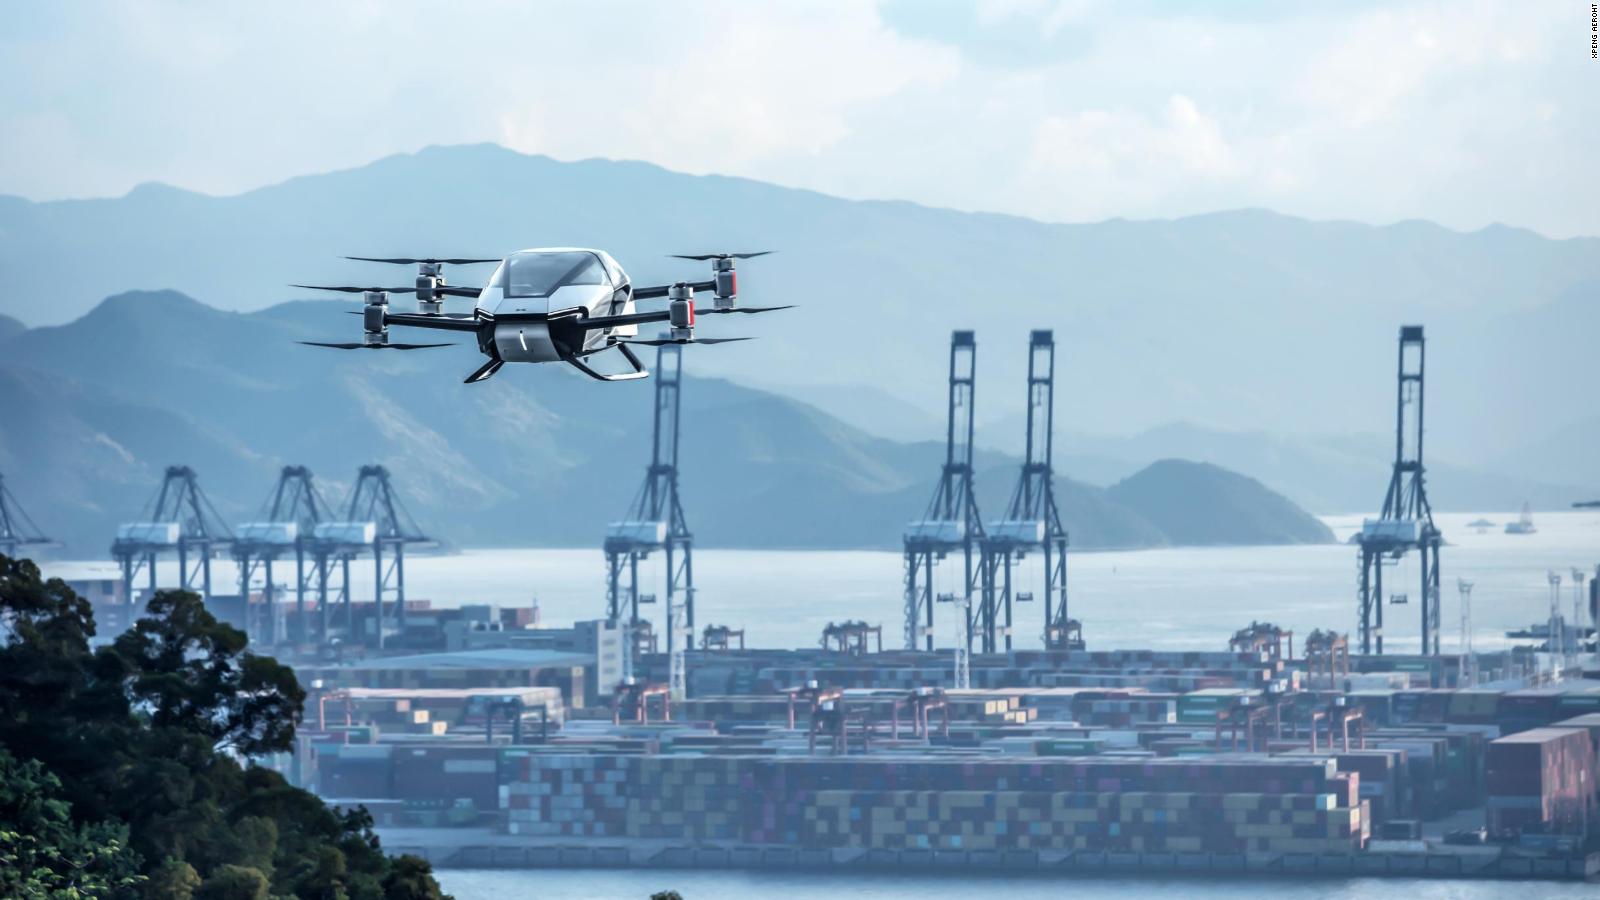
x=80, y=458
x=94, y=409
x=1202, y=504
x=1241, y=321
x=10, y=327
x=1332, y=474
x=1567, y=455
x=871, y=409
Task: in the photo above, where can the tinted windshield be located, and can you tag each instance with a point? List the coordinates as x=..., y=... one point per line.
x=539, y=274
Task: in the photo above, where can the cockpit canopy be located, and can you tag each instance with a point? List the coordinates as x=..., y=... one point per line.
x=540, y=273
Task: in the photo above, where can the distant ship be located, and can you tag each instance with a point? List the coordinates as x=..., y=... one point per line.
x=1540, y=631
x=1523, y=524
x=1481, y=525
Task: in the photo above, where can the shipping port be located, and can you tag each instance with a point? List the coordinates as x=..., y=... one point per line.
x=993, y=738
x=1224, y=761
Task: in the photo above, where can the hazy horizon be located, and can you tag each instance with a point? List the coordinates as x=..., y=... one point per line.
x=1200, y=214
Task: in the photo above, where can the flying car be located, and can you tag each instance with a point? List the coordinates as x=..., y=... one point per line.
x=549, y=304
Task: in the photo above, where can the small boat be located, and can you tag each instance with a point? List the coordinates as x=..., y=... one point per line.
x=1537, y=631
x=1480, y=525
x=1540, y=631
x=1523, y=524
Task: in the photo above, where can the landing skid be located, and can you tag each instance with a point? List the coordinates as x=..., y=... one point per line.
x=487, y=370
x=639, y=371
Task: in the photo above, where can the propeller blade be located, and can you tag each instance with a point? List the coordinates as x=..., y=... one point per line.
x=355, y=290
x=351, y=345
x=660, y=342
x=702, y=257
x=739, y=309
x=469, y=293
x=406, y=260
x=445, y=290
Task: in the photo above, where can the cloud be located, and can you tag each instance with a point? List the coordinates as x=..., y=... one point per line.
x=1463, y=112
x=770, y=80
x=1101, y=163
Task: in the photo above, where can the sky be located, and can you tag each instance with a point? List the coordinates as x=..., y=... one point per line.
x=1465, y=113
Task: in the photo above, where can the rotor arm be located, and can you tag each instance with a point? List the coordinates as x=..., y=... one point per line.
x=438, y=322
x=594, y=323
x=654, y=292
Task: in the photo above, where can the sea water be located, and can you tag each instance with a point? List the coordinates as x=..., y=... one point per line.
x=1174, y=598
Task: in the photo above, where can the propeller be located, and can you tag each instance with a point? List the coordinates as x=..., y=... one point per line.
x=406, y=260
x=355, y=345
x=441, y=289
x=705, y=256
x=738, y=309
x=659, y=342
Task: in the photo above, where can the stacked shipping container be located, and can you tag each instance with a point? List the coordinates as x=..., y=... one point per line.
x=1224, y=804
x=1541, y=781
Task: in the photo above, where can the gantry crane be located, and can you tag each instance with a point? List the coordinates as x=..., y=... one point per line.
x=1032, y=521
x=374, y=521
x=286, y=525
x=952, y=522
x=179, y=519
x=1406, y=522
x=656, y=522
x=16, y=528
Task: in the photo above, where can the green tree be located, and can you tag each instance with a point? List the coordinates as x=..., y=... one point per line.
x=231, y=882
x=173, y=880
x=190, y=673
x=411, y=878
x=52, y=707
x=153, y=737
x=43, y=853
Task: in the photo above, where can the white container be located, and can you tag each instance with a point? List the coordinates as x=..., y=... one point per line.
x=277, y=533
x=946, y=531
x=637, y=532
x=160, y=533
x=346, y=532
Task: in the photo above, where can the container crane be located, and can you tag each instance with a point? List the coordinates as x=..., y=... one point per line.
x=1406, y=522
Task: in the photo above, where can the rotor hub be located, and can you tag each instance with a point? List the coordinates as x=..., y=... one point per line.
x=727, y=279
x=680, y=313
x=372, y=315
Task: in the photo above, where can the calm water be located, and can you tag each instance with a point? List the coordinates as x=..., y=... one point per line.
x=729, y=885
x=1176, y=598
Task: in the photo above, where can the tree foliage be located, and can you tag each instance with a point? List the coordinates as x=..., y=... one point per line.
x=189, y=673
x=126, y=771
x=43, y=853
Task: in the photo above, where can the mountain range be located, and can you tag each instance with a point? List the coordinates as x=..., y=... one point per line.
x=1259, y=342
x=537, y=456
